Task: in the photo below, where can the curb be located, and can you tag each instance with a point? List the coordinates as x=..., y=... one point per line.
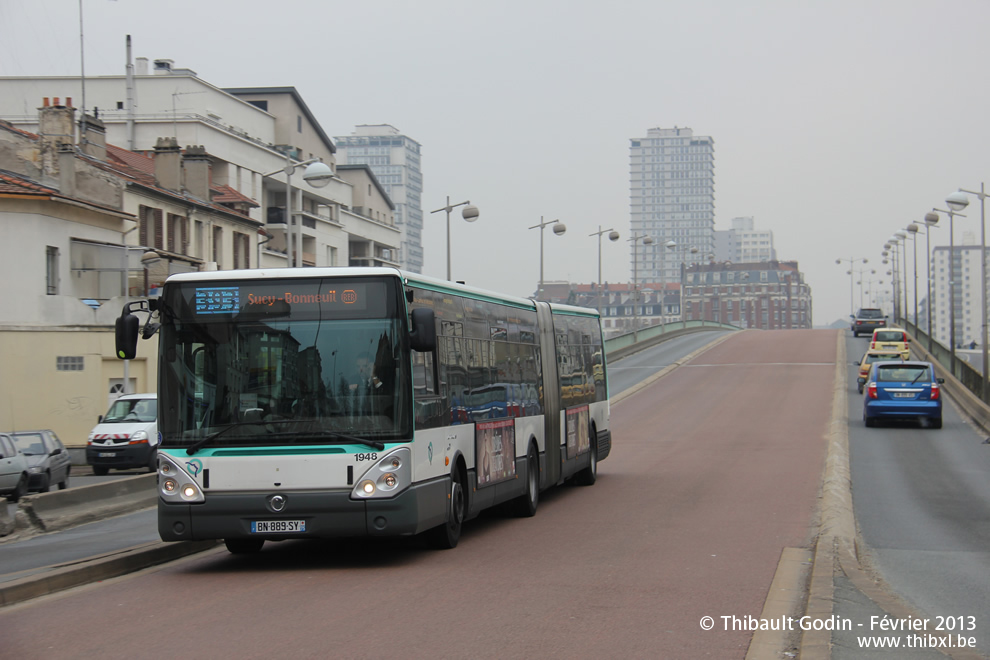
x=97, y=569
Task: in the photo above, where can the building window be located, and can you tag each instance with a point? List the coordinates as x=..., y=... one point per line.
x=242, y=250
x=299, y=123
x=151, y=232
x=178, y=234
x=51, y=270
x=69, y=363
x=218, y=246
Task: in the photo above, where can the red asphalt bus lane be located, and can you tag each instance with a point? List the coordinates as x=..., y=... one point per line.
x=715, y=469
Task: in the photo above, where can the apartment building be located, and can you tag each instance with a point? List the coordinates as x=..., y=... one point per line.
x=672, y=198
x=395, y=160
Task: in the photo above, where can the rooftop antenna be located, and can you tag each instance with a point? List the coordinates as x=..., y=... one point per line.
x=82, y=72
x=130, y=97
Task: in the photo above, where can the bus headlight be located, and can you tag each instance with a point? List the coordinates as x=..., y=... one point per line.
x=388, y=477
x=175, y=484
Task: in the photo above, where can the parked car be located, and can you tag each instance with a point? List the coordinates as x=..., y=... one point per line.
x=903, y=390
x=48, y=461
x=869, y=357
x=866, y=320
x=14, y=475
x=891, y=339
x=127, y=436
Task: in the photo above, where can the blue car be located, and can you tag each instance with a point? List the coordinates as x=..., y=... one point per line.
x=903, y=390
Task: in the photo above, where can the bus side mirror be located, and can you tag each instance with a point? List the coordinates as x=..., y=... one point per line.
x=126, y=336
x=423, y=335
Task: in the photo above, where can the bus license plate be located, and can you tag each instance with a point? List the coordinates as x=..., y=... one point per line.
x=277, y=526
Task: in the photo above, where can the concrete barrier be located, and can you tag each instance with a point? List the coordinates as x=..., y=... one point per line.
x=62, y=509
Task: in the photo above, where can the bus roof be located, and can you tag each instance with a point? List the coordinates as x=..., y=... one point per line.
x=415, y=279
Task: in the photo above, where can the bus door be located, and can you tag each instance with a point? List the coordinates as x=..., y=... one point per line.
x=551, y=392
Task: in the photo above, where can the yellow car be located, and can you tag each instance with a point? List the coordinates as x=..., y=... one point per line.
x=891, y=339
x=869, y=358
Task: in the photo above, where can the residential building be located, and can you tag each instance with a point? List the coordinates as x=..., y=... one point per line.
x=743, y=243
x=78, y=222
x=395, y=160
x=966, y=297
x=767, y=295
x=672, y=198
x=249, y=134
x=623, y=307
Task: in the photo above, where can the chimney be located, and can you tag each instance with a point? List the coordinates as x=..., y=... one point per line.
x=168, y=164
x=93, y=141
x=163, y=67
x=141, y=66
x=196, y=166
x=56, y=127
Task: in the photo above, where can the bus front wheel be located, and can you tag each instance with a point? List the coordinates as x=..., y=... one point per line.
x=446, y=536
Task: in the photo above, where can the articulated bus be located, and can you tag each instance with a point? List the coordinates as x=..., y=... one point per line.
x=342, y=402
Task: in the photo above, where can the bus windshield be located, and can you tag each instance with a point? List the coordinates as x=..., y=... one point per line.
x=283, y=363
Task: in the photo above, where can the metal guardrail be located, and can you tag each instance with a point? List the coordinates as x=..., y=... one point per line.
x=622, y=345
x=961, y=370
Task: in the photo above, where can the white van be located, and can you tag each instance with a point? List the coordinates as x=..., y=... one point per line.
x=127, y=436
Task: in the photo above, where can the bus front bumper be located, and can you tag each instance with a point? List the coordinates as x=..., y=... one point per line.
x=326, y=514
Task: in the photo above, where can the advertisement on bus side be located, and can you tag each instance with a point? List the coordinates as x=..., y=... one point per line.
x=578, y=441
x=495, y=451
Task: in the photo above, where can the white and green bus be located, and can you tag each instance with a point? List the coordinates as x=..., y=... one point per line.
x=349, y=402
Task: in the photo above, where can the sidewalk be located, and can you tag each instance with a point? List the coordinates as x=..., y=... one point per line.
x=35, y=565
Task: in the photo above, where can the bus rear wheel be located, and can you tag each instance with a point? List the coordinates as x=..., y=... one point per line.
x=525, y=505
x=446, y=536
x=589, y=475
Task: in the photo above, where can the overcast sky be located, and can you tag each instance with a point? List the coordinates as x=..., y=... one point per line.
x=836, y=123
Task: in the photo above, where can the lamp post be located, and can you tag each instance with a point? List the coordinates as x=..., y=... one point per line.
x=558, y=228
x=952, y=283
x=470, y=214
x=852, y=261
x=931, y=220
x=612, y=236
x=647, y=240
x=317, y=174
x=912, y=230
x=902, y=240
x=669, y=245
x=957, y=201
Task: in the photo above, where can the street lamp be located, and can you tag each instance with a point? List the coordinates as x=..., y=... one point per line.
x=852, y=260
x=647, y=240
x=470, y=214
x=952, y=283
x=931, y=220
x=558, y=228
x=912, y=230
x=902, y=240
x=612, y=236
x=317, y=174
x=669, y=245
x=957, y=201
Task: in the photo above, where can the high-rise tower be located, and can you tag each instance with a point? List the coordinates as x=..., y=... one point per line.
x=395, y=160
x=672, y=198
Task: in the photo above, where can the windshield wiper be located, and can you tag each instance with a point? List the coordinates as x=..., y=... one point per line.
x=374, y=444
x=199, y=444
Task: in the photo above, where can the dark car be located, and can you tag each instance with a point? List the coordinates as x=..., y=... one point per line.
x=903, y=391
x=866, y=320
x=48, y=461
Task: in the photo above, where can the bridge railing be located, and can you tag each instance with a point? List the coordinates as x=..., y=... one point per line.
x=960, y=369
x=630, y=342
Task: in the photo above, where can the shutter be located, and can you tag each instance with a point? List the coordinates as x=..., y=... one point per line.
x=143, y=224
x=159, y=230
